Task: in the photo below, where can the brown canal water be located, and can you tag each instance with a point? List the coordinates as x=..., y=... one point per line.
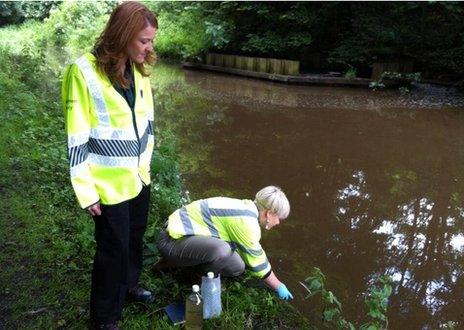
x=375, y=180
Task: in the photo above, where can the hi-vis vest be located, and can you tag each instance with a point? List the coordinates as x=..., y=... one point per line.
x=232, y=220
x=109, y=144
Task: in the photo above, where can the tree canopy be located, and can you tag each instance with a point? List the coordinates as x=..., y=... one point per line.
x=321, y=35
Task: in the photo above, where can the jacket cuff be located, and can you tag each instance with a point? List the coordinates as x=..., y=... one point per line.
x=85, y=208
x=267, y=275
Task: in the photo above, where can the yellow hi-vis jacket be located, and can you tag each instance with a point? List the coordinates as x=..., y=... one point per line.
x=109, y=144
x=232, y=220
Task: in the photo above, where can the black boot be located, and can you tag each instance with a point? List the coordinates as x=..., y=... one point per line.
x=139, y=294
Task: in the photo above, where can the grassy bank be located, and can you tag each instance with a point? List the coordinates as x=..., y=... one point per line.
x=46, y=241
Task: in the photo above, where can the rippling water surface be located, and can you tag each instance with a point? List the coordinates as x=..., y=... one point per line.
x=375, y=180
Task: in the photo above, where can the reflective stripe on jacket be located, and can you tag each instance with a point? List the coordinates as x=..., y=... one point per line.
x=109, y=144
x=232, y=220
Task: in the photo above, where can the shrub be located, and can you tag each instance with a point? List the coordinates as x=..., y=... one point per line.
x=75, y=25
x=14, y=12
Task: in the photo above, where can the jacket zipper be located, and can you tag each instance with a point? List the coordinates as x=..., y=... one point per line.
x=138, y=143
x=134, y=122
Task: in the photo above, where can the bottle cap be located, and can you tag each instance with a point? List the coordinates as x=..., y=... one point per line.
x=210, y=275
x=195, y=288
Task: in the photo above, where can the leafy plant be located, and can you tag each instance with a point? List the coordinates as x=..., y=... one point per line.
x=351, y=72
x=332, y=308
x=376, y=84
x=376, y=302
x=14, y=12
x=75, y=25
x=404, y=79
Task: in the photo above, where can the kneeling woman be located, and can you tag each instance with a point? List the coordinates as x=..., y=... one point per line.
x=221, y=235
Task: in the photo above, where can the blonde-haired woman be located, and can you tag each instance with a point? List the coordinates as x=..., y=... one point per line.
x=108, y=108
x=222, y=235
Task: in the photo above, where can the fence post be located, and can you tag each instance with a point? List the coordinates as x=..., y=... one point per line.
x=262, y=64
x=210, y=59
x=250, y=63
x=291, y=68
x=275, y=66
x=229, y=61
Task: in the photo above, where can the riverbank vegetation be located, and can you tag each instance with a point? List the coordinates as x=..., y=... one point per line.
x=349, y=37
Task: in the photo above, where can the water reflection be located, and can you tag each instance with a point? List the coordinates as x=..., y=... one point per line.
x=375, y=181
x=457, y=241
x=422, y=244
x=252, y=92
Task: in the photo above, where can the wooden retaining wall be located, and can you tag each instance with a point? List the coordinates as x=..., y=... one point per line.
x=289, y=79
x=258, y=64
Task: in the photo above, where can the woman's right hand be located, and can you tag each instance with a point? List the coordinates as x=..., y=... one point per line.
x=94, y=209
x=283, y=292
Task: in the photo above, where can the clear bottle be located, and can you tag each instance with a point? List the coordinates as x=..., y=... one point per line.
x=211, y=291
x=194, y=309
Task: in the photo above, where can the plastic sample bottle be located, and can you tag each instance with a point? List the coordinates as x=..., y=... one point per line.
x=194, y=309
x=211, y=291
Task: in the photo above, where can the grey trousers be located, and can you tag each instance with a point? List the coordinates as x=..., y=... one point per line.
x=209, y=253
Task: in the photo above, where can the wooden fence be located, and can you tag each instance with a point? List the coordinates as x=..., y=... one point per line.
x=259, y=64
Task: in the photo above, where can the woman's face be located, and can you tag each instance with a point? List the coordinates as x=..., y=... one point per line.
x=142, y=44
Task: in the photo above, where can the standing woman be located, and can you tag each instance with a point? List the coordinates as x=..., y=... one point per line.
x=108, y=108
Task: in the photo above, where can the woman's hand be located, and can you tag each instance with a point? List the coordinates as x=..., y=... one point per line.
x=94, y=209
x=283, y=292
x=273, y=282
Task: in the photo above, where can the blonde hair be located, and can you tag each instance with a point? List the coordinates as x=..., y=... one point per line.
x=273, y=198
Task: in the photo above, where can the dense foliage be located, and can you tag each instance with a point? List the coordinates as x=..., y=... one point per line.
x=322, y=35
x=13, y=12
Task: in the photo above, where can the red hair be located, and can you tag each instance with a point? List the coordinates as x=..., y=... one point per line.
x=125, y=22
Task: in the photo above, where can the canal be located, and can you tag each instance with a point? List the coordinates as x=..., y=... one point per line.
x=375, y=181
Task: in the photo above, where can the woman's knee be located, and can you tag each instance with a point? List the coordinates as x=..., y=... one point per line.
x=220, y=253
x=229, y=267
x=235, y=270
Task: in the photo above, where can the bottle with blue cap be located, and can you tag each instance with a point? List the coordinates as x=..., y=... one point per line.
x=211, y=292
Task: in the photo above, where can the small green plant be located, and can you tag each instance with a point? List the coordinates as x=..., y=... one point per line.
x=404, y=90
x=404, y=79
x=376, y=84
x=408, y=77
x=332, y=308
x=350, y=73
x=376, y=302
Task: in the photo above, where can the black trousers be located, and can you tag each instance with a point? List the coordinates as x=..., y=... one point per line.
x=118, y=259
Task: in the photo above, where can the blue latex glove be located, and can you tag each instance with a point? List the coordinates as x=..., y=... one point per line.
x=283, y=292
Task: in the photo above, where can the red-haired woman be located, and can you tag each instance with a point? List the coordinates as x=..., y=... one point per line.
x=108, y=107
